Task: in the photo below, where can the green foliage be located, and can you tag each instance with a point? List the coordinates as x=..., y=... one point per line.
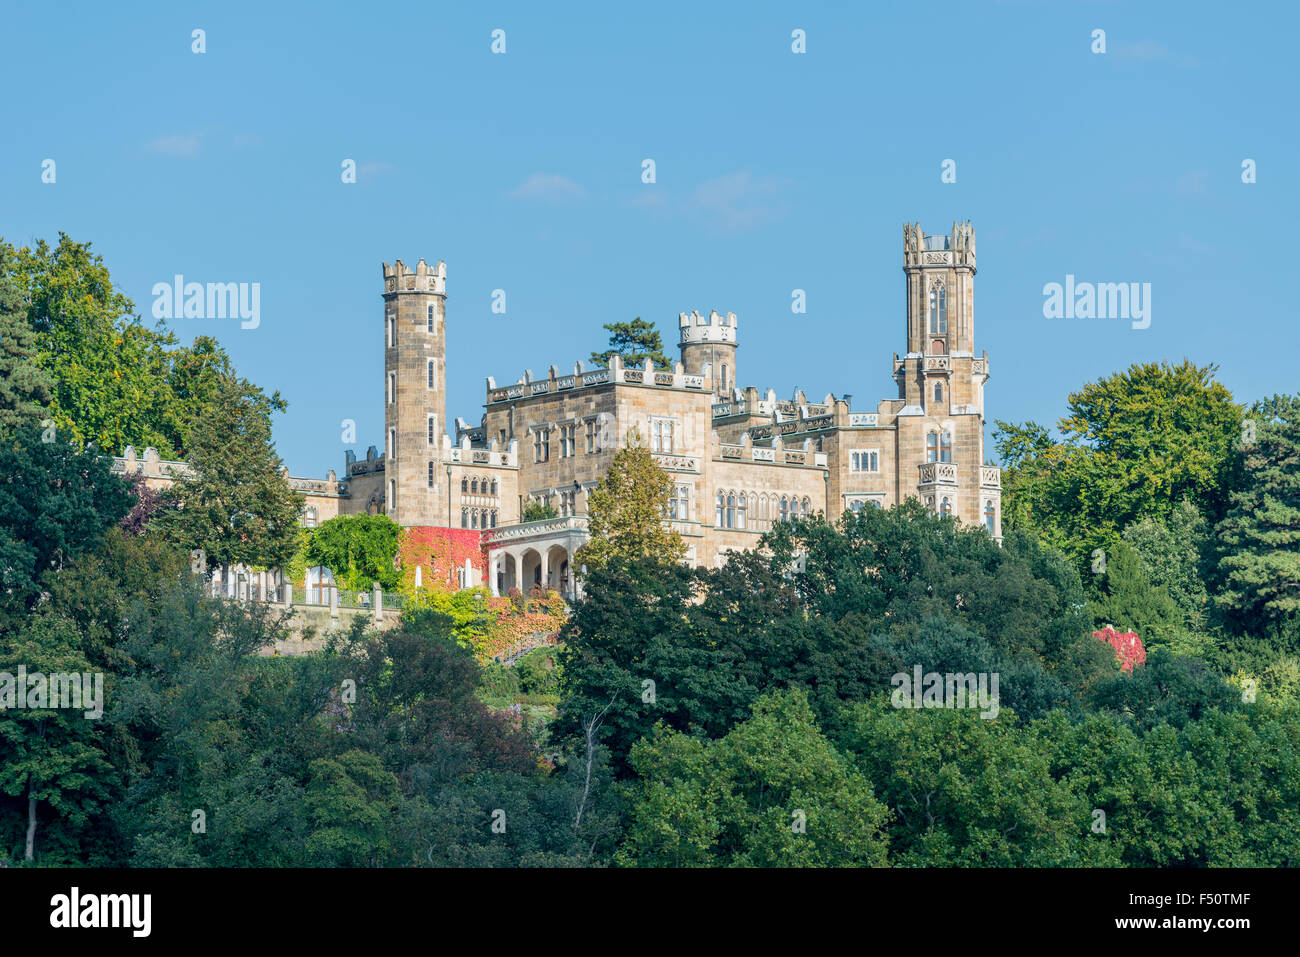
x=625, y=513
x=535, y=510
x=352, y=803
x=1129, y=601
x=537, y=675
x=51, y=759
x=772, y=793
x=236, y=506
x=635, y=341
x=55, y=503
x=358, y=549
x=1172, y=552
x=1259, y=539
x=1168, y=688
x=113, y=381
x=24, y=386
x=1135, y=444
x=968, y=792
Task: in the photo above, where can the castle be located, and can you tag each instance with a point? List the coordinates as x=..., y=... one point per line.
x=740, y=459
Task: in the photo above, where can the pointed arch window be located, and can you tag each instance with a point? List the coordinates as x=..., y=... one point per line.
x=990, y=517
x=932, y=447
x=945, y=447
x=945, y=507
x=938, y=392
x=721, y=509
x=938, y=310
x=740, y=510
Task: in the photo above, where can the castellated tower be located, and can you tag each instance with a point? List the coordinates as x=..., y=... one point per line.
x=415, y=398
x=709, y=349
x=941, y=380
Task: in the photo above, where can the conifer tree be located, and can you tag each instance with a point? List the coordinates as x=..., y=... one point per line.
x=635, y=342
x=236, y=505
x=24, y=386
x=1260, y=537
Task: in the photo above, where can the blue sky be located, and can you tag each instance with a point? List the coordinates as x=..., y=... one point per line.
x=775, y=171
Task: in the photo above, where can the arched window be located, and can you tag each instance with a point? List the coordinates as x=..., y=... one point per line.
x=430, y=475
x=990, y=517
x=932, y=447
x=726, y=381
x=473, y=486
x=494, y=518
x=938, y=310
x=938, y=392
x=740, y=511
x=807, y=508
x=430, y=318
x=464, y=518
x=494, y=486
x=433, y=382
x=464, y=485
x=722, y=504
x=731, y=510
x=945, y=447
x=945, y=507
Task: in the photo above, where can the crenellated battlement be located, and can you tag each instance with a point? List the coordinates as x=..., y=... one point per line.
x=399, y=277
x=714, y=328
x=616, y=372
x=955, y=249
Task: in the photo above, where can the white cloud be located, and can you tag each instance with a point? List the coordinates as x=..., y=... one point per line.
x=739, y=201
x=548, y=187
x=184, y=145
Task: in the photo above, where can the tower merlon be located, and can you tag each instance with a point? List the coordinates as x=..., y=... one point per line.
x=955, y=249
x=716, y=327
x=400, y=277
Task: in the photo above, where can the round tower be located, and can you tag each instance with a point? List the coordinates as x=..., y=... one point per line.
x=415, y=398
x=708, y=347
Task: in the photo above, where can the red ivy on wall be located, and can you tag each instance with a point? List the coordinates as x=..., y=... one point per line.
x=441, y=551
x=1128, y=646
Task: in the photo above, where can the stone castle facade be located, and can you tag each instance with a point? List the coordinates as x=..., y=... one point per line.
x=740, y=458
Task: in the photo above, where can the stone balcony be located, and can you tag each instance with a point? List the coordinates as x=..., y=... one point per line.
x=937, y=473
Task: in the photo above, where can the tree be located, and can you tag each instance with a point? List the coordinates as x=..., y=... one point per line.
x=24, y=386
x=51, y=756
x=236, y=506
x=1129, y=601
x=772, y=793
x=1173, y=553
x=635, y=341
x=112, y=380
x=1135, y=444
x=353, y=805
x=56, y=502
x=1259, y=539
x=536, y=510
x=626, y=511
x=969, y=792
x=358, y=549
